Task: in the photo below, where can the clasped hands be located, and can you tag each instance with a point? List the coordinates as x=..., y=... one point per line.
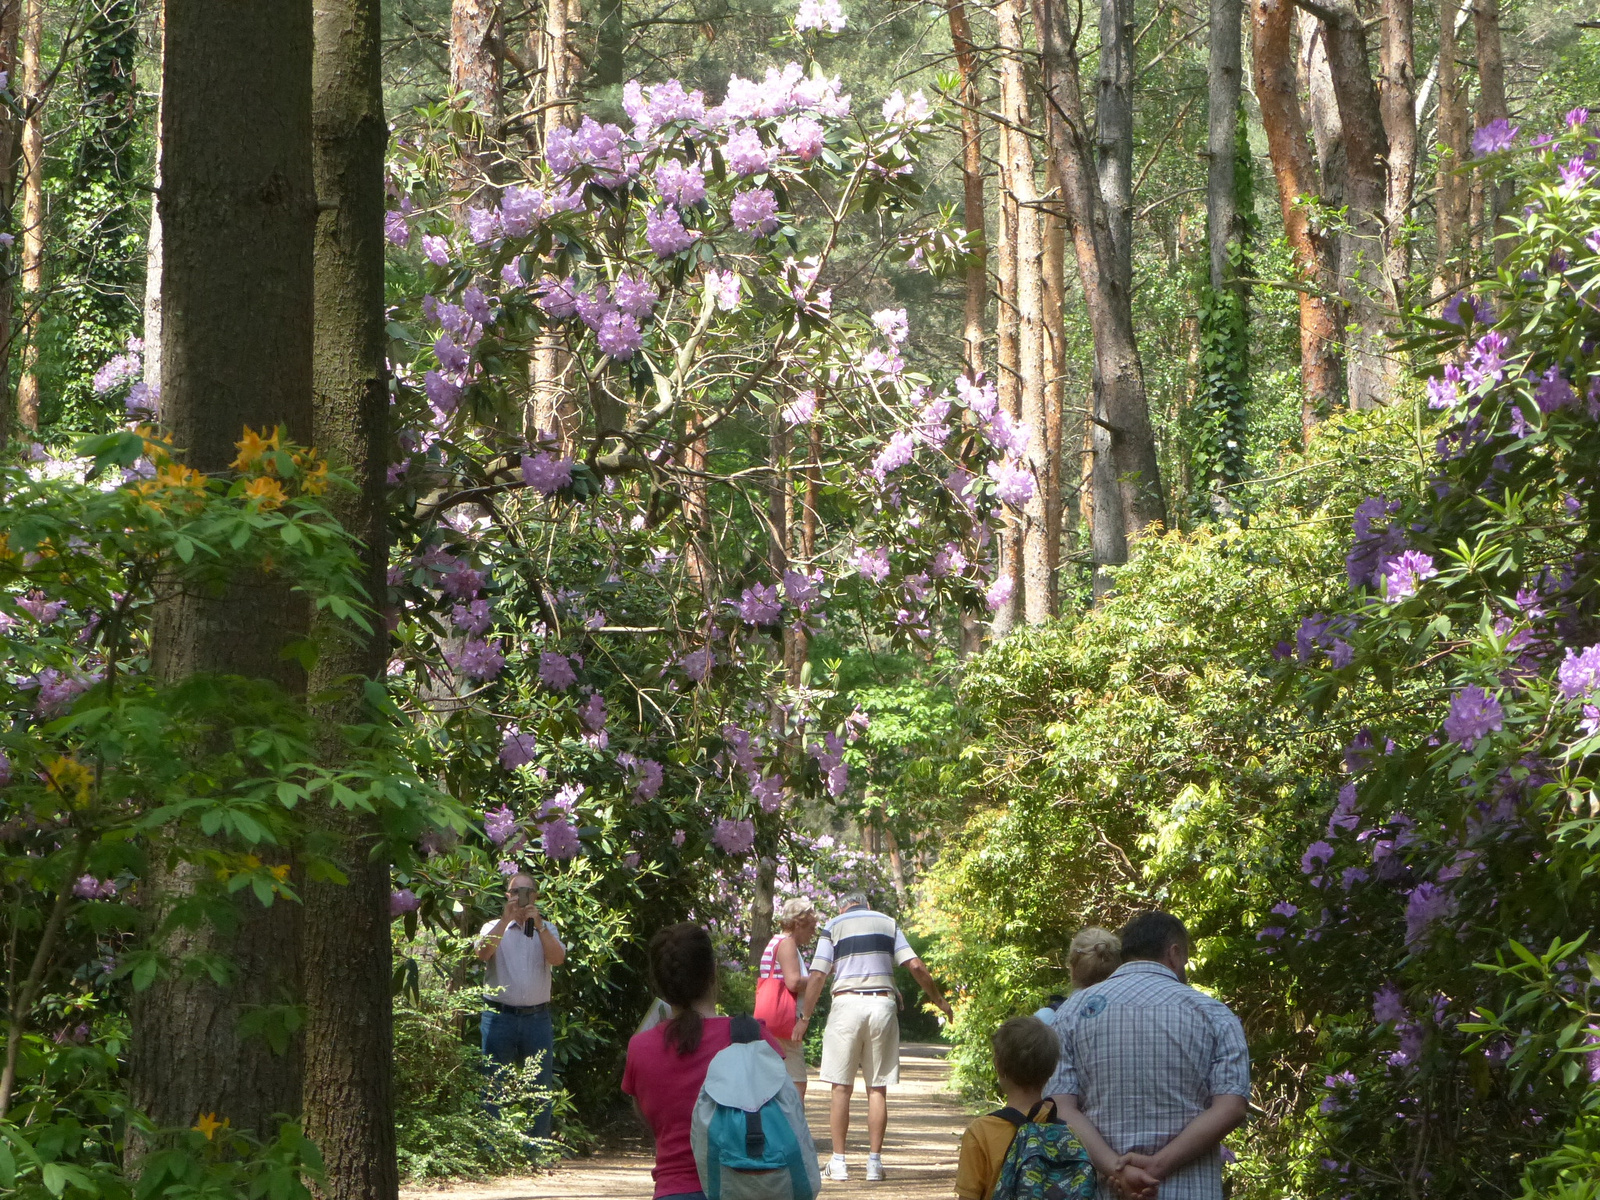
x=1135, y=1177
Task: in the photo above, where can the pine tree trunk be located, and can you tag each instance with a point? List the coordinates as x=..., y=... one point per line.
x=557, y=66
x=972, y=214
x=349, y=1044
x=475, y=72
x=152, y=245
x=1055, y=361
x=10, y=138
x=32, y=211
x=1031, y=523
x=1127, y=492
x=239, y=212
x=1008, y=373
x=1362, y=251
x=1277, y=92
x=1454, y=186
x=1492, y=107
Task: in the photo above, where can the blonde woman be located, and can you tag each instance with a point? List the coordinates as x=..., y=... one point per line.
x=782, y=977
x=1094, y=955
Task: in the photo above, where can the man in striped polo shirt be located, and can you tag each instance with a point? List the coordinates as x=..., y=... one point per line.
x=860, y=948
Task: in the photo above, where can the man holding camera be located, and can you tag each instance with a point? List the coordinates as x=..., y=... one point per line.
x=519, y=949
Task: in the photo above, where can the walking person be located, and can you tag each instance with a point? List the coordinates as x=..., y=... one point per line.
x=859, y=949
x=1153, y=1074
x=781, y=979
x=666, y=1066
x=519, y=949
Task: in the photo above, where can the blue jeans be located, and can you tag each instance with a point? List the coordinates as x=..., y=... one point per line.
x=509, y=1040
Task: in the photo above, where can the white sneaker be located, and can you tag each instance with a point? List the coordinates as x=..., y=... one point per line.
x=837, y=1170
x=874, y=1168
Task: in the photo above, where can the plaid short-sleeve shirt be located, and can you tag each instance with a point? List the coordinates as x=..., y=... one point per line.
x=1144, y=1054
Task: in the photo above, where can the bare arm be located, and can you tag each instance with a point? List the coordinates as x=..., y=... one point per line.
x=930, y=985
x=807, y=1005
x=554, y=952
x=489, y=943
x=789, y=961
x=1226, y=1114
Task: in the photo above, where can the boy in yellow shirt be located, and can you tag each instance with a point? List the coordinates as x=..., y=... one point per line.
x=1025, y=1054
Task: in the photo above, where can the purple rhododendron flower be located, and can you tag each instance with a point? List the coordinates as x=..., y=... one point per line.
x=558, y=297
x=801, y=137
x=1284, y=909
x=800, y=589
x=436, y=250
x=1376, y=541
x=1498, y=135
x=998, y=594
x=665, y=233
x=1474, y=714
x=651, y=776
x=1519, y=424
x=618, y=336
x=1553, y=392
x=5, y=769
x=1345, y=815
x=733, y=837
x=1013, y=483
x=546, y=473
x=1425, y=904
x=900, y=450
x=872, y=564
x=697, y=664
x=478, y=660
x=1574, y=174
x=1387, y=1005
x=482, y=225
x=724, y=287
x=396, y=228
x=499, y=824
x=471, y=618
x=1317, y=854
x=1444, y=391
x=44, y=612
x=58, y=691
x=745, y=153
x=560, y=839
x=636, y=296
x=89, y=888
x=1578, y=677
x=442, y=392
x=1402, y=575
x=462, y=582
x=819, y=14
x=518, y=749
x=402, y=901
x=758, y=605
x=768, y=792
x=555, y=671
x=592, y=713
x=1486, y=361
x=755, y=212
x=680, y=184
x=802, y=410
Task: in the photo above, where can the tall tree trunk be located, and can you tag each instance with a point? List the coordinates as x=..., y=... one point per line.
x=1492, y=107
x=152, y=245
x=1113, y=128
x=1223, y=225
x=1008, y=348
x=1055, y=360
x=475, y=72
x=32, y=210
x=349, y=1043
x=239, y=212
x=1128, y=495
x=1036, y=590
x=1454, y=186
x=972, y=214
x=557, y=66
x=10, y=138
x=761, y=909
x=1366, y=153
x=1277, y=93
x=1397, y=106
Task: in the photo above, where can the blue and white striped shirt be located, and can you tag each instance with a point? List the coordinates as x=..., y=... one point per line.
x=863, y=947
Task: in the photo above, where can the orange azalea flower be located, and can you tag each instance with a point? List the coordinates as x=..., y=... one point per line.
x=269, y=491
x=156, y=447
x=209, y=1125
x=313, y=473
x=252, y=446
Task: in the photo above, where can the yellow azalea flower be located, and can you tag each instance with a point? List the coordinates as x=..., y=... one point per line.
x=269, y=491
x=69, y=779
x=156, y=447
x=251, y=448
x=251, y=861
x=314, y=477
x=209, y=1125
x=176, y=475
x=281, y=872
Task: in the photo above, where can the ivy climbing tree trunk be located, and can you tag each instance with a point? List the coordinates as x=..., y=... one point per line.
x=1277, y=93
x=349, y=1043
x=10, y=132
x=32, y=99
x=238, y=211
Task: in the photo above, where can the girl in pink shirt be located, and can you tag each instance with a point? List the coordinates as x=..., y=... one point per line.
x=667, y=1063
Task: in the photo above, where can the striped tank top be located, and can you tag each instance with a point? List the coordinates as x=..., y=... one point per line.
x=769, y=968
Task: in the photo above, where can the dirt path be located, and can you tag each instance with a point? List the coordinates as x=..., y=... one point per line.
x=919, y=1154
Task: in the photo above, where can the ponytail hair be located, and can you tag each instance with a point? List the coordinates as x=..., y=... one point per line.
x=683, y=969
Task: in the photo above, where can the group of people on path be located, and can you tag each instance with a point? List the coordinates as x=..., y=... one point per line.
x=1141, y=1074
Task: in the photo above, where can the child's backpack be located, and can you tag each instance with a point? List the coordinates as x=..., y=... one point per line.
x=749, y=1131
x=1045, y=1162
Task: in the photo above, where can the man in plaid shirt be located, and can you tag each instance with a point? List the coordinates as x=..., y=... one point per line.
x=1153, y=1073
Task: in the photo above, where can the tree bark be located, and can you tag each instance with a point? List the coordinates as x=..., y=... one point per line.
x=349, y=1043
x=557, y=66
x=1492, y=107
x=1362, y=247
x=1397, y=106
x=1029, y=250
x=1454, y=187
x=10, y=138
x=475, y=72
x=1127, y=493
x=1113, y=125
x=1055, y=361
x=972, y=213
x=152, y=245
x=1223, y=224
x=32, y=210
x=239, y=212
x=1008, y=350
x=1277, y=93
x=761, y=909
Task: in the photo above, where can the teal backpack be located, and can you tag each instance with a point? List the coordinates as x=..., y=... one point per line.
x=1045, y=1162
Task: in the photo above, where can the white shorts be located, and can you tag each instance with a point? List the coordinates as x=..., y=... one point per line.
x=864, y=1032
x=794, y=1059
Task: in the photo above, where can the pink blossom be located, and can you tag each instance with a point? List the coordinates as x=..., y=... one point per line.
x=396, y=228
x=618, y=336
x=592, y=713
x=522, y=209
x=595, y=306
x=679, y=183
x=724, y=286
x=999, y=592
x=802, y=410
x=636, y=296
x=900, y=450
x=436, y=250
x=463, y=582
x=820, y=14
x=471, y=618
x=44, y=612
x=801, y=136
x=478, y=660
x=558, y=298
x=746, y=154
x=89, y=888
x=899, y=109
x=1013, y=483
x=768, y=792
x=892, y=324
x=482, y=225
x=697, y=664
